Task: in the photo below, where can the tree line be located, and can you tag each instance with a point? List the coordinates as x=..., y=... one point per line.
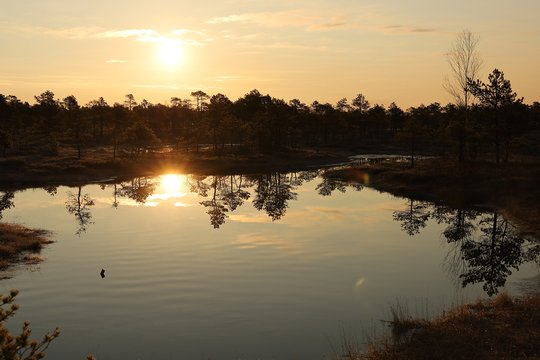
x=496, y=126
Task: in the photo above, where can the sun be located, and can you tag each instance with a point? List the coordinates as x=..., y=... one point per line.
x=170, y=53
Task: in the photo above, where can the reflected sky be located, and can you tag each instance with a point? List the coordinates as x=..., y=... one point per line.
x=283, y=271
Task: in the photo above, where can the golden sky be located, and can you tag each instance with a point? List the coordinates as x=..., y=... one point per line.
x=389, y=50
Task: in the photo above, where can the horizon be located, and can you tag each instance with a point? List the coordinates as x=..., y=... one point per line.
x=389, y=51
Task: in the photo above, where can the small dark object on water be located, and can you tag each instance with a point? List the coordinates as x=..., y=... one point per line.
x=102, y=273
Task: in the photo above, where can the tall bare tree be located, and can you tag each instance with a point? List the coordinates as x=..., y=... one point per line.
x=465, y=63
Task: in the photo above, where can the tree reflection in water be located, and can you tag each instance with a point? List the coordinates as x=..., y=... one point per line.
x=492, y=256
x=273, y=193
x=485, y=247
x=138, y=189
x=6, y=201
x=215, y=206
x=414, y=217
x=79, y=205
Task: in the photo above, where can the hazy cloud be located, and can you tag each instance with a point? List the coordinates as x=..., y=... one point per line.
x=408, y=29
x=336, y=22
x=223, y=78
x=291, y=18
x=80, y=32
x=115, y=61
x=143, y=35
x=156, y=86
x=291, y=46
x=126, y=33
x=188, y=31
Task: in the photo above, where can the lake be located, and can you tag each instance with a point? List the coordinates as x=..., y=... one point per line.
x=273, y=266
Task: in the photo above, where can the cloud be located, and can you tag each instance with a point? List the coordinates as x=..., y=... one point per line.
x=152, y=86
x=408, y=29
x=223, y=78
x=80, y=32
x=70, y=33
x=290, y=46
x=93, y=32
x=366, y=19
x=116, y=61
x=288, y=18
x=188, y=31
x=336, y=22
x=126, y=33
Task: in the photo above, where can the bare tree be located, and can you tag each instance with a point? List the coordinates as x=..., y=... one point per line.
x=465, y=64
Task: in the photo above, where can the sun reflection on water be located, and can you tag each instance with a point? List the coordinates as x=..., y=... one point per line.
x=171, y=186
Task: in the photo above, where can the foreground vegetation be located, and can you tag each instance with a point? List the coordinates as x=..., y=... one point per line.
x=501, y=328
x=20, y=245
x=20, y=347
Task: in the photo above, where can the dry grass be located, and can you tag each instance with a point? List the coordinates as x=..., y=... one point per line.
x=20, y=245
x=501, y=328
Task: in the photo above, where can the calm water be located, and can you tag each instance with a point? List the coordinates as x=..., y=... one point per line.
x=261, y=267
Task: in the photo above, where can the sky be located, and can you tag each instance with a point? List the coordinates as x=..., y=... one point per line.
x=324, y=50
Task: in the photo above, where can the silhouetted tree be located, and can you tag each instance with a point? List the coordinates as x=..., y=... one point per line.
x=465, y=63
x=414, y=134
x=497, y=96
x=377, y=122
x=99, y=109
x=5, y=133
x=219, y=109
x=360, y=103
x=74, y=117
x=119, y=123
x=47, y=110
x=139, y=137
x=396, y=116
x=181, y=121
x=201, y=105
x=129, y=102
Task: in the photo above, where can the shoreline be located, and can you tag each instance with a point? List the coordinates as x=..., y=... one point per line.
x=27, y=171
x=511, y=188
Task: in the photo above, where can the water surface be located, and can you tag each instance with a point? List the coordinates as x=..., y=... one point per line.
x=246, y=267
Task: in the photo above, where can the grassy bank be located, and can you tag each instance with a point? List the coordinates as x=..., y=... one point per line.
x=20, y=245
x=98, y=164
x=501, y=328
